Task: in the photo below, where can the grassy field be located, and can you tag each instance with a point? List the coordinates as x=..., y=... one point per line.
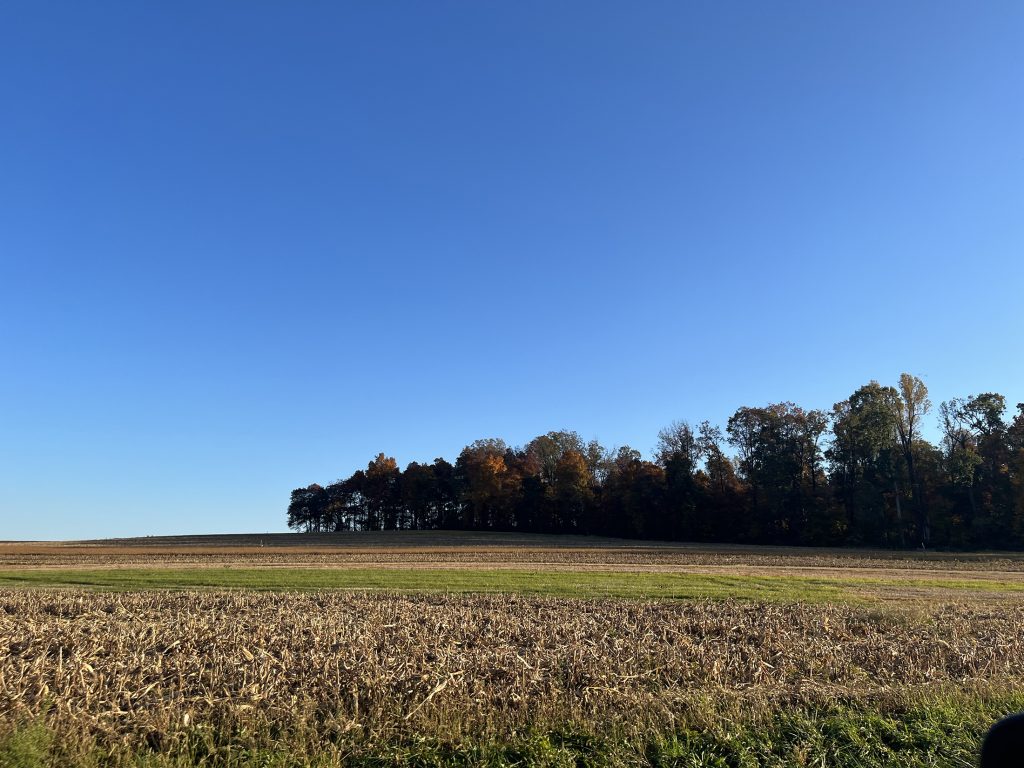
x=492, y=650
x=836, y=588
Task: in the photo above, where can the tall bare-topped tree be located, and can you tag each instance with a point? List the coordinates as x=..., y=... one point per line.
x=910, y=407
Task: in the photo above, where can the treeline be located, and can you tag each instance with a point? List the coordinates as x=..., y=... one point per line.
x=860, y=474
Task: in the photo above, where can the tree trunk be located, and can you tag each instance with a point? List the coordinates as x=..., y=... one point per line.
x=899, y=513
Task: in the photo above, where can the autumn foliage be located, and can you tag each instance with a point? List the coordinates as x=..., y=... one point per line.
x=860, y=474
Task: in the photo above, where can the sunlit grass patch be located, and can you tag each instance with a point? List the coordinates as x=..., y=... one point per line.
x=679, y=586
x=627, y=584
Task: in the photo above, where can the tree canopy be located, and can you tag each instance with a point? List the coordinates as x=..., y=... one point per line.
x=859, y=474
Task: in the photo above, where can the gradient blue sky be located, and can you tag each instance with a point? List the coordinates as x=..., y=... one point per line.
x=244, y=246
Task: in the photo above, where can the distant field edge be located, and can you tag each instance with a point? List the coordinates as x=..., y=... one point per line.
x=482, y=540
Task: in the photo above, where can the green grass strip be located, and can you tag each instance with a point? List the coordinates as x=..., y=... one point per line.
x=667, y=586
x=556, y=583
x=936, y=733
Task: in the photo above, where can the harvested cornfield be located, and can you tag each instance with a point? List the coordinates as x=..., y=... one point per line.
x=449, y=650
x=148, y=670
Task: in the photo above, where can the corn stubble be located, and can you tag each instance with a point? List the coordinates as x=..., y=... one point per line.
x=137, y=671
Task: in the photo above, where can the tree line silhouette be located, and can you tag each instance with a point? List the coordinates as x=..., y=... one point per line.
x=860, y=474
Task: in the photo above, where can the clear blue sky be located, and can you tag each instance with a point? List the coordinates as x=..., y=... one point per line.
x=244, y=246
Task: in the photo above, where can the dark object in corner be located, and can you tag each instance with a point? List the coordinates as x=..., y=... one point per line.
x=1004, y=744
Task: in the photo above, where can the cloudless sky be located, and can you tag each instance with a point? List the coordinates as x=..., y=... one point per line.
x=245, y=246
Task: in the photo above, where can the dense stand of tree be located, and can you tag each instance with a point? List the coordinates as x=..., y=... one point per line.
x=861, y=474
